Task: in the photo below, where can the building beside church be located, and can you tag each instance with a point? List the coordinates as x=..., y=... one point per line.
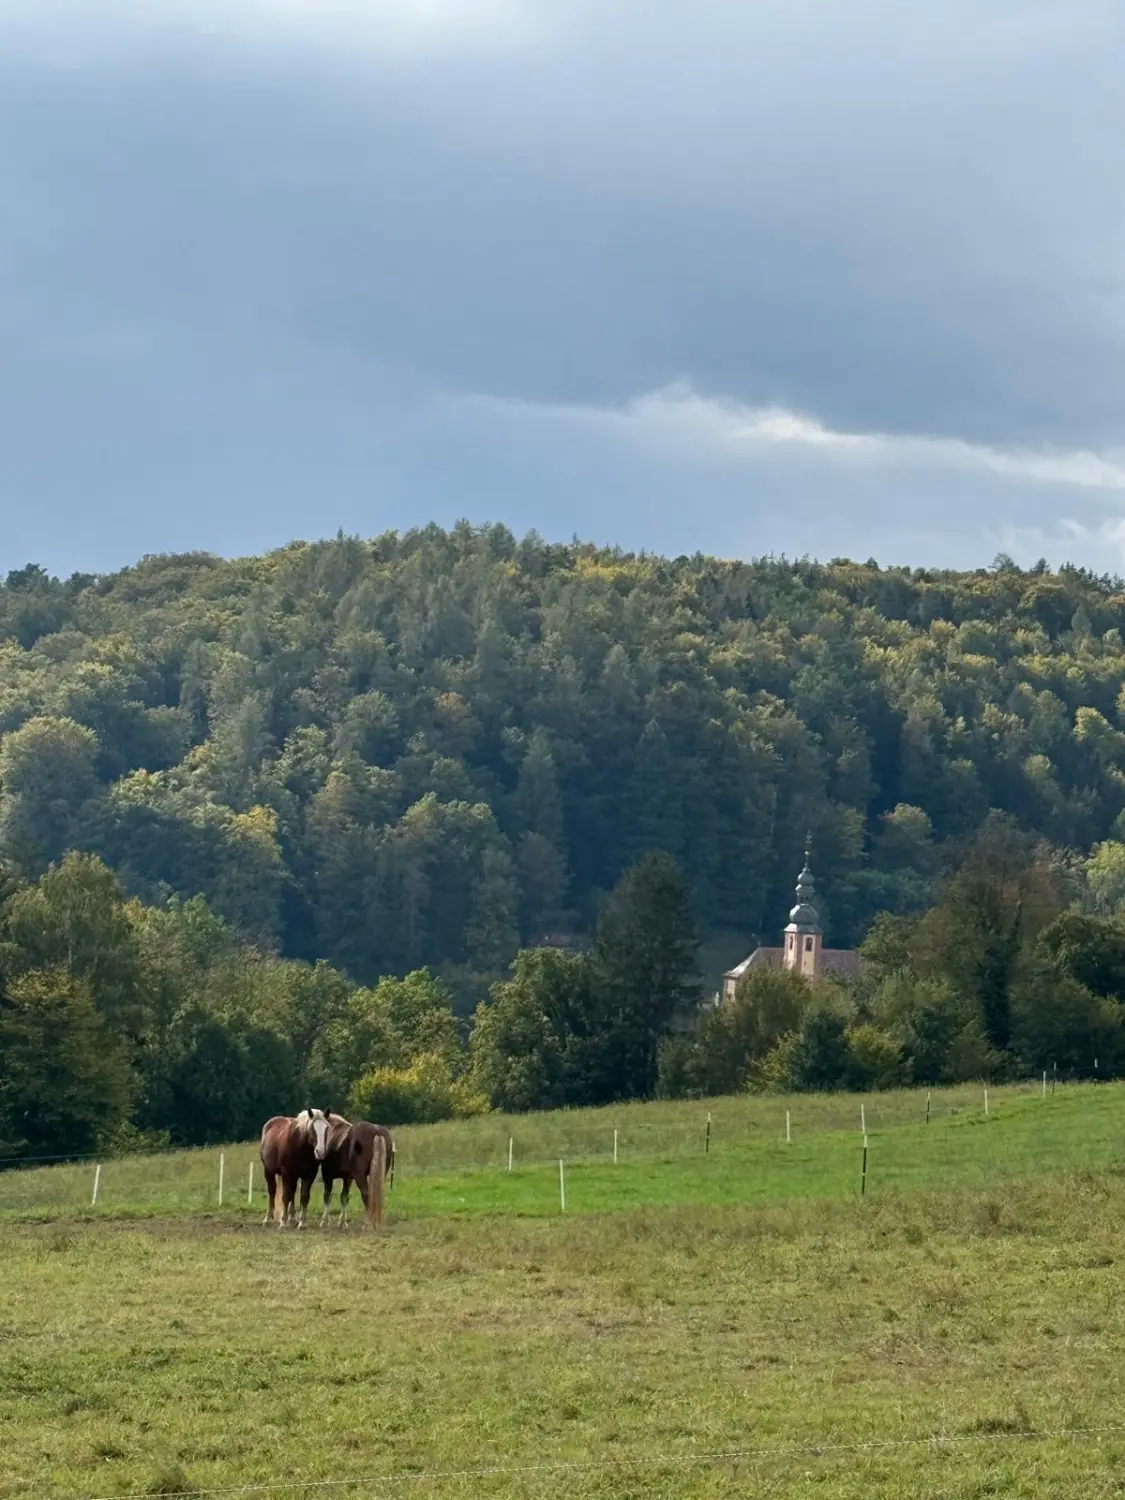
x=802, y=950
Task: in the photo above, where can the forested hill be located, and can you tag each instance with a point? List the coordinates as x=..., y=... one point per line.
x=429, y=748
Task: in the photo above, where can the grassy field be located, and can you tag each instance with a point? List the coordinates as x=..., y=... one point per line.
x=695, y=1325
x=461, y=1167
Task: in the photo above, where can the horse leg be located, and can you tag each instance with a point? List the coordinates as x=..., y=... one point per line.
x=345, y=1189
x=328, y=1180
x=362, y=1186
x=306, y=1193
x=271, y=1189
x=288, y=1190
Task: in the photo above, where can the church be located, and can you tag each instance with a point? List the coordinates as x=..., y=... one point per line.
x=802, y=950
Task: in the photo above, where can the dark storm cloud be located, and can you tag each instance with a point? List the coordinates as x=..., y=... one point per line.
x=257, y=259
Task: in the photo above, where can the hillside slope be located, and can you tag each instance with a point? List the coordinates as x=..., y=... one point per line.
x=430, y=748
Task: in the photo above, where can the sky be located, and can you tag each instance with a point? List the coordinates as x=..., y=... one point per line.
x=742, y=276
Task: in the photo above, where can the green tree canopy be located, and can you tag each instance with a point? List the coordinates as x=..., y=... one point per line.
x=645, y=966
x=47, y=784
x=65, y=1080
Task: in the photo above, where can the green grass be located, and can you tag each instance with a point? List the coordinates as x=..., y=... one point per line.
x=461, y=1167
x=743, y=1302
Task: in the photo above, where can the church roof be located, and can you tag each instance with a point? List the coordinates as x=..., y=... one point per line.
x=842, y=961
x=761, y=958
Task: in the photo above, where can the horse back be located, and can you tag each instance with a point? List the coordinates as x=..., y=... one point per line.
x=275, y=1132
x=283, y=1148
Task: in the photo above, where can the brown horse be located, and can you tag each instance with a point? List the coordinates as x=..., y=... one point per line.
x=292, y=1150
x=361, y=1153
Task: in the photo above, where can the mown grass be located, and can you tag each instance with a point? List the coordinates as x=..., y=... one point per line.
x=975, y=1298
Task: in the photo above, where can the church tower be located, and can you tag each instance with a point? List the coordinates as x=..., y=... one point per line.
x=803, y=938
x=802, y=948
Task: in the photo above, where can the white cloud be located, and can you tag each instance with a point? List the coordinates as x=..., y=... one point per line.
x=678, y=419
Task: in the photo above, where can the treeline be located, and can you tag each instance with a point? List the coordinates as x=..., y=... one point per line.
x=124, y=1026
x=435, y=749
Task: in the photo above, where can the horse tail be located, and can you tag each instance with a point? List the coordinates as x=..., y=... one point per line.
x=376, y=1185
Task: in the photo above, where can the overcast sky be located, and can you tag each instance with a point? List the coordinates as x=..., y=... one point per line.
x=748, y=276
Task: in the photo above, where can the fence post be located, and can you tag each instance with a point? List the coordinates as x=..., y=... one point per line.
x=928, y=1093
x=863, y=1171
x=250, y=1185
x=222, y=1169
x=863, y=1121
x=615, y=1145
x=1054, y=1076
x=562, y=1188
x=97, y=1185
x=986, y=1101
x=511, y=1145
x=707, y=1137
x=788, y=1132
x=1044, y=1083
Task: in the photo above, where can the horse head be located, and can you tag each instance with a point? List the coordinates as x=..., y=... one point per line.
x=322, y=1130
x=317, y=1127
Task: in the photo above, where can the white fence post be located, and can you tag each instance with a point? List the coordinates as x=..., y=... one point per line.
x=863, y=1121
x=97, y=1185
x=615, y=1144
x=222, y=1170
x=788, y=1133
x=986, y=1101
x=511, y=1144
x=250, y=1185
x=562, y=1188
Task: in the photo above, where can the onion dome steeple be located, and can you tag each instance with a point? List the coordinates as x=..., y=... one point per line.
x=804, y=915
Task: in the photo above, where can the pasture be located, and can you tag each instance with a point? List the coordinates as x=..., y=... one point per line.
x=695, y=1324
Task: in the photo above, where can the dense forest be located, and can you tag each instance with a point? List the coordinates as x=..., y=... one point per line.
x=350, y=762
